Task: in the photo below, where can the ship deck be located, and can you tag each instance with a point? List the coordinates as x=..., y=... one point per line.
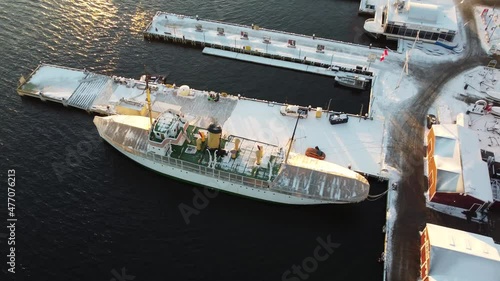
x=357, y=144
x=244, y=162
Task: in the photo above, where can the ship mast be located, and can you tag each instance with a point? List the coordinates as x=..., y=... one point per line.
x=148, y=97
x=291, y=140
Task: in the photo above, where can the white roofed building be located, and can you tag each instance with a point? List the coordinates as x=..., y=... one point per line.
x=448, y=254
x=457, y=174
x=434, y=21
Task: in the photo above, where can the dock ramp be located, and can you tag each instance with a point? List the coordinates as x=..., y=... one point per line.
x=88, y=90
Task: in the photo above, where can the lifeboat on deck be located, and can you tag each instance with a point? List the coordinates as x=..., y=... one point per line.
x=315, y=153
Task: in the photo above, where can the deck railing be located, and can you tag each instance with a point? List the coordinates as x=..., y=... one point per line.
x=196, y=168
x=215, y=173
x=206, y=171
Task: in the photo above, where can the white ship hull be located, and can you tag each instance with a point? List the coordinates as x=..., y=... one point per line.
x=222, y=185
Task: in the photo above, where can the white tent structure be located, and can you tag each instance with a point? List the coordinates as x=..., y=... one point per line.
x=448, y=254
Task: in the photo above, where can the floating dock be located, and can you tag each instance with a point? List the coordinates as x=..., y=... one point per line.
x=356, y=144
x=270, y=47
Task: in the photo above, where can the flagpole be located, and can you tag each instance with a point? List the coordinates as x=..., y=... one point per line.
x=407, y=60
x=291, y=140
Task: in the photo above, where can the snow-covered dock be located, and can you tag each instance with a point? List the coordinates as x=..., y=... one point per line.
x=253, y=41
x=357, y=144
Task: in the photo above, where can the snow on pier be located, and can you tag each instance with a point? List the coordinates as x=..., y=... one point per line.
x=357, y=144
x=280, y=47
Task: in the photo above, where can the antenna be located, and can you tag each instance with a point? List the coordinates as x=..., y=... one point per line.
x=291, y=140
x=148, y=97
x=407, y=60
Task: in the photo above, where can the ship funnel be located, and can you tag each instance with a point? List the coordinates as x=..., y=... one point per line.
x=214, y=134
x=237, y=144
x=234, y=152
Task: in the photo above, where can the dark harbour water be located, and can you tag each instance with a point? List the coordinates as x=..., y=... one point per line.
x=85, y=211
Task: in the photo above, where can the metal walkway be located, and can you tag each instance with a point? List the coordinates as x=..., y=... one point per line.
x=88, y=90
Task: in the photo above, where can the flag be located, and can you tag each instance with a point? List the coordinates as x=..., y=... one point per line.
x=384, y=54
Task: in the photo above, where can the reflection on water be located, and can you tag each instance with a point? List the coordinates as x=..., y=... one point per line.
x=140, y=19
